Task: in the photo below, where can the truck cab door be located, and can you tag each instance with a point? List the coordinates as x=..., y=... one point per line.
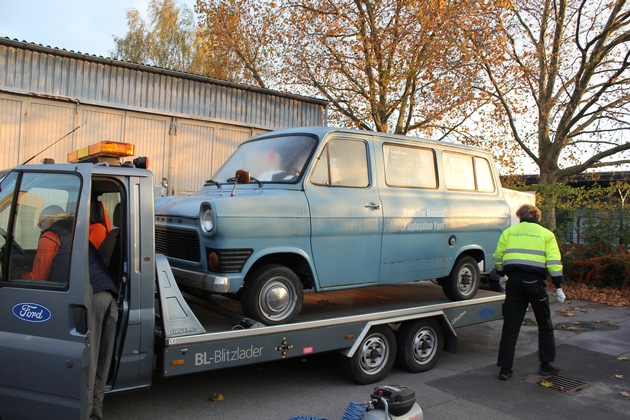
x=43, y=315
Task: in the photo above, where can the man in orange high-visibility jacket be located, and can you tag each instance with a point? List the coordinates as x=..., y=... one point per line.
x=526, y=253
x=52, y=258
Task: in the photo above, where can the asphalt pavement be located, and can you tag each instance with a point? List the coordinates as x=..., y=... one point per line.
x=593, y=352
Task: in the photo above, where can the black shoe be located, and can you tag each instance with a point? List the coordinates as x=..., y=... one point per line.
x=505, y=374
x=547, y=370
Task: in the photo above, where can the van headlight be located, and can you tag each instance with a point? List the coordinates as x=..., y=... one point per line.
x=206, y=218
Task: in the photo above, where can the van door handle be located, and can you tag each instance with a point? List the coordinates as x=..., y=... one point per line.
x=373, y=206
x=80, y=319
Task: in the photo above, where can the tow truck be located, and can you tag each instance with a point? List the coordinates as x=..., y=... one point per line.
x=165, y=329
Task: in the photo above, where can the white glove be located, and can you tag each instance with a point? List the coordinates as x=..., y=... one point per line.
x=502, y=281
x=560, y=295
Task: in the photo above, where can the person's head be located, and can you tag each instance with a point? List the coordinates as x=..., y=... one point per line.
x=50, y=215
x=529, y=212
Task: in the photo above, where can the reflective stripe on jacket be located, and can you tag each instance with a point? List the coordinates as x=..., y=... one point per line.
x=529, y=247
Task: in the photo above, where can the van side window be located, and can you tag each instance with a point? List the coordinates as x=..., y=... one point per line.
x=342, y=163
x=483, y=175
x=42, y=229
x=412, y=167
x=467, y=173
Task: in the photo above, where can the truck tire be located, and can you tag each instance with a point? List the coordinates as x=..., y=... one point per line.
x=463, y=281
x=419, y=345
x=374, y=357
x=272, y=295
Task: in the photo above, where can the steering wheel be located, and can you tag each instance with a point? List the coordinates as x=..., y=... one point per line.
x=15, y=248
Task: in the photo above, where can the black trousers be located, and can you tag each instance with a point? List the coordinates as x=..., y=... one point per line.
x=521, y=290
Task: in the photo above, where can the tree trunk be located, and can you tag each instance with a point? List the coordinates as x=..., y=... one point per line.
x=548, y=180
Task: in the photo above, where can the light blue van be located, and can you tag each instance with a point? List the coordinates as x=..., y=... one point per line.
x=326, y=209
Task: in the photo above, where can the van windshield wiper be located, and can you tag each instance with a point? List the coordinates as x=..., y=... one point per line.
x=211, y=182
x=232, y=180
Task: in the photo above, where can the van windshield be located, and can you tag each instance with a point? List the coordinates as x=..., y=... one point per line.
x=272, y=159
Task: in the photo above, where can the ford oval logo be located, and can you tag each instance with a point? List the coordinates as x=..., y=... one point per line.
x=31, y=312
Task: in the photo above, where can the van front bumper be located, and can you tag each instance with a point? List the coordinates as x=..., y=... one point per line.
x=203, y=281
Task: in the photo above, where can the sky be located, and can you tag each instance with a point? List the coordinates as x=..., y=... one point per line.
x=86, y=26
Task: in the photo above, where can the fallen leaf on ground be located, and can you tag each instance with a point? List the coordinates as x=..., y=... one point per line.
x=546, y=383
x=216, y=397
x=605, y=295
x=619, y=376
x=569, y=314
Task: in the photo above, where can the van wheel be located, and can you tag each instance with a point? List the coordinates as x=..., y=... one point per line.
x=463, y=282
x=272, y=295
x=419, y=345
x=374, y=358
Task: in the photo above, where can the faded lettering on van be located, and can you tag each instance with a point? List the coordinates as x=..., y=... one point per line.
x=424, y=226
x=417, y=213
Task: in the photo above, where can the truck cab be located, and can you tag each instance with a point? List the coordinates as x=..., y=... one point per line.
x=44, y=337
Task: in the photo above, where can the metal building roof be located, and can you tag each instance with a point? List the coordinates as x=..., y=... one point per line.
x=32, y=69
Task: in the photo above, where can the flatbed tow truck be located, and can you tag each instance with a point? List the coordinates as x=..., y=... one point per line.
x=168, y=331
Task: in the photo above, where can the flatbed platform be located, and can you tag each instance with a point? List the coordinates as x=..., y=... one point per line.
x=218, y=313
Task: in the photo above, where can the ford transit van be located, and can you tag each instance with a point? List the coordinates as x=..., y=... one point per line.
x=326, y=208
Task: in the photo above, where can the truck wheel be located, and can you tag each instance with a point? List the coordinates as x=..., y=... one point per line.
x=463, y=282
x=273, y=295
x=374, y=358
x=419, y=345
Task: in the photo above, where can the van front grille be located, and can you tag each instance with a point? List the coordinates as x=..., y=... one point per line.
x=177, y=243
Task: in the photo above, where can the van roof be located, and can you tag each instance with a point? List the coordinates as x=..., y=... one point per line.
x=322, y=132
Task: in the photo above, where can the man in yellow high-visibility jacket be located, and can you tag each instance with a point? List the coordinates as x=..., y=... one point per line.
x=526, y=253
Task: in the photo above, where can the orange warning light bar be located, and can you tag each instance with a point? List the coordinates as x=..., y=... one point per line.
x=102, y=149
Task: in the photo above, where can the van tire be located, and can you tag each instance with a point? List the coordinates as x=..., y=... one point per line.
x=419, y=345
x=273, y=295
x=463, y=281
x=374, y=358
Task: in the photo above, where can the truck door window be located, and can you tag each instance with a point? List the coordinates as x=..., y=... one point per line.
x=6, y=195
x=42, y=229
x=342, y=163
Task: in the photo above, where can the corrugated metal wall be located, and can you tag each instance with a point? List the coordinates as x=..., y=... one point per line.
x=186, y=124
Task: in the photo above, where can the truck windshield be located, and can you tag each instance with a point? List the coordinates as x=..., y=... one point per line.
x=276, y=159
